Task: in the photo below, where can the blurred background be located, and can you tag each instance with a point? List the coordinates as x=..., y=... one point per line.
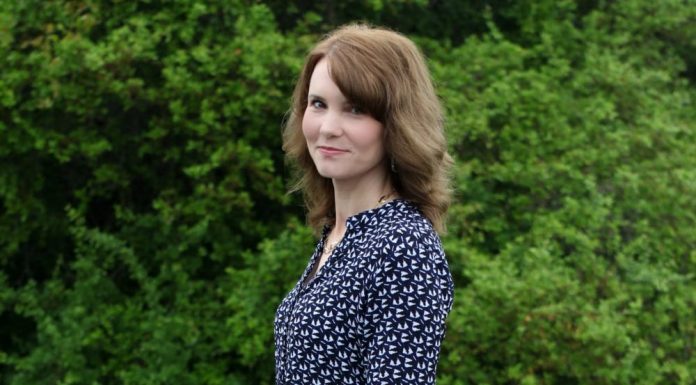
x=146, y=236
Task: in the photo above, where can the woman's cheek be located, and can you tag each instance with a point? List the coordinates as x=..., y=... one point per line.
x=309, y=127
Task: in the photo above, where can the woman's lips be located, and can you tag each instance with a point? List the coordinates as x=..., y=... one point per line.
x=325, y=150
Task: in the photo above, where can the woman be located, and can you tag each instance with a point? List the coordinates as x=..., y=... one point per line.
x=365, y=131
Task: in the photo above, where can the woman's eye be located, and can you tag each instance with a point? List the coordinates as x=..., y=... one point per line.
x=356, y=110
x=316, y=103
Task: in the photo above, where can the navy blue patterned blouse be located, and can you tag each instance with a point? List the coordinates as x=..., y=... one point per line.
x=375, y=312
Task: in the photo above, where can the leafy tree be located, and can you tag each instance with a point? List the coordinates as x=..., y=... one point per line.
x=147, y=236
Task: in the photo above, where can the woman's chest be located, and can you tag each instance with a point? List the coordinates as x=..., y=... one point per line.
x=330, y=310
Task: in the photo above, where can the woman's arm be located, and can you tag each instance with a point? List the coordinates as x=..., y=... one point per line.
x=409, y=299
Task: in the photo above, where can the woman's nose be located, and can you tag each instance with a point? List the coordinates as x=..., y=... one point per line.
x=331, y=124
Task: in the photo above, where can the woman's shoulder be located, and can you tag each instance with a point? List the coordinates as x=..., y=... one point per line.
x=403, y=225
x=408, y=244
x=401, y=215
x=394, y=228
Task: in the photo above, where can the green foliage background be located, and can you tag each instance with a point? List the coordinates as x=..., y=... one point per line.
x=146, y=236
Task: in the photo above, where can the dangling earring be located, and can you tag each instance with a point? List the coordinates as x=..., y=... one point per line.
x=393, y=167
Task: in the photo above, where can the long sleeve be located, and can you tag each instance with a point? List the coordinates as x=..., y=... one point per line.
x=409, y=302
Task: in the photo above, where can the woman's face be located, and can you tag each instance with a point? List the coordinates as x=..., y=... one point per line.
x=345, y=143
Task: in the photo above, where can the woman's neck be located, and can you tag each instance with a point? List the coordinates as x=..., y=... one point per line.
x=353, y=198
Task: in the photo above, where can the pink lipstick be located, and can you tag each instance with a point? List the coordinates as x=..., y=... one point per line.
x=330, y=151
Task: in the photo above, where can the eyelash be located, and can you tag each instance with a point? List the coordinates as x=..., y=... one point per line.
x=314, y=102
x=356, y=110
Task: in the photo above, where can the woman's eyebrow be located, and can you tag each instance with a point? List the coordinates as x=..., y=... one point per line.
x=315, y=96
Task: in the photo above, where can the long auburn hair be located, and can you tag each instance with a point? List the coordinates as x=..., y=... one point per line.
x=384, y=73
